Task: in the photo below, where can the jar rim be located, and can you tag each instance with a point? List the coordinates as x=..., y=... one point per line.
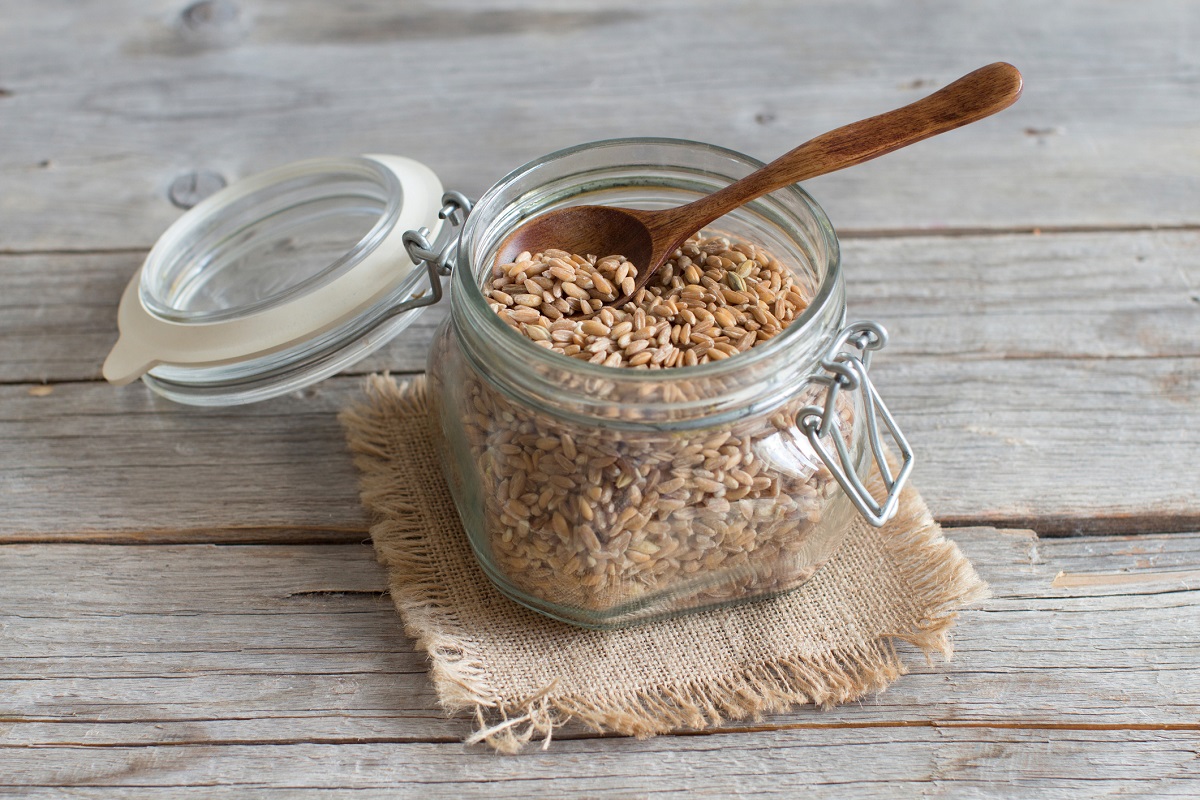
x=468, y=291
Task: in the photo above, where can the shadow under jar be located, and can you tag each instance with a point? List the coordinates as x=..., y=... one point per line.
x=602, y=495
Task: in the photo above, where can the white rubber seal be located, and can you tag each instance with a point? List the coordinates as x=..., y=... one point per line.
x=147, y=340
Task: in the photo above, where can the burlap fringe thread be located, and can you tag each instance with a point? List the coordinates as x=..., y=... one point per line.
x=935, y=566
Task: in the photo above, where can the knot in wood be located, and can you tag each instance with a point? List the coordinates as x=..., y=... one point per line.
x=211, y=22
x=191, y=187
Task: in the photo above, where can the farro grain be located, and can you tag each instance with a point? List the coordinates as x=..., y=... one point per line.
x=579, y=514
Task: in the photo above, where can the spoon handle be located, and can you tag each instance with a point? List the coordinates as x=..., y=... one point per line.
x=972, y=97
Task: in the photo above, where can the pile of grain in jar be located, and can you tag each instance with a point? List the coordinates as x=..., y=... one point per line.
x=713, y=299
x=601, y=518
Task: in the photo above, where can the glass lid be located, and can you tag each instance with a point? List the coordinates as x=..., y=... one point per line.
x=275, y=281
x=272, y=244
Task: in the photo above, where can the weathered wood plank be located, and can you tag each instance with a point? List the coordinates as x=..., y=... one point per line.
x=1002, y=441
x=1074, y=296
x=127, y=461
x=1064, y=446
x=872, y=763
x=106, y=105
x=1016, y=364
x=118, y=646
x=1079, y=295
x=58, y=318
x=1049, y=381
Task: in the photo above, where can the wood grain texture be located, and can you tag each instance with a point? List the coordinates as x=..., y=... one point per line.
x=1085, y=296
x=179, y=666
x=998, y=442
x=952, y=763
x=129, y=461
x=1048, y=381
x=106, y=105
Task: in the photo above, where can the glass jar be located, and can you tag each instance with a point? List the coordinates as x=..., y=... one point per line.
x=605, y=495
x=597, y=495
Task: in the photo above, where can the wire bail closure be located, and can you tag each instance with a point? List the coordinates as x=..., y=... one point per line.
x=848, y=371
x=437, y=262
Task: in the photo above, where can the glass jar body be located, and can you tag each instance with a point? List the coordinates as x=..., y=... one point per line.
x=603, y=496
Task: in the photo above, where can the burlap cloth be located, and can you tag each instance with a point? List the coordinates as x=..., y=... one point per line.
x=523, y=675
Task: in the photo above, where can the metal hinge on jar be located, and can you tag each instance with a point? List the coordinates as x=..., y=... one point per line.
x=437, y=262
x=846, y=363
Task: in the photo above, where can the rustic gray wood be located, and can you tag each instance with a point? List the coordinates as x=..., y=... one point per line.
x=1012, y=359
x=1085, y=295
x=885, y=763
x=174, y=666
x=187, y=603
x=106, y=105
x=1030, y=442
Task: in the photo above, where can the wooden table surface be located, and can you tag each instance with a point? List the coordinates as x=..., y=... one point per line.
x=188, y=605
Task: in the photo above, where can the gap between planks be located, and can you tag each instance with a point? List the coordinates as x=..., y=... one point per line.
x=1050, y=527
x=1058, y=526
x=1021, y=573
x=286, y=535
x=584, y=735
x=842, y=233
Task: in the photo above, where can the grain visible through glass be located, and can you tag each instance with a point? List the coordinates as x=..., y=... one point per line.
x=597, y=517
x=714, y=298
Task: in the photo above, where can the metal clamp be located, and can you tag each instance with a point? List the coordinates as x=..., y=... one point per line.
x=848, y=371
x=437, y=262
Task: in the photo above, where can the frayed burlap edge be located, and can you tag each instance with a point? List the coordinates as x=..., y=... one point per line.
x=937, y=569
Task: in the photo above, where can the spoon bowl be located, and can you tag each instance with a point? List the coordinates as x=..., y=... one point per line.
x=599, y=230
x=648, y=238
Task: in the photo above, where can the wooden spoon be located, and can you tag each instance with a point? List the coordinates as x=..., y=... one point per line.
x=648, y=238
